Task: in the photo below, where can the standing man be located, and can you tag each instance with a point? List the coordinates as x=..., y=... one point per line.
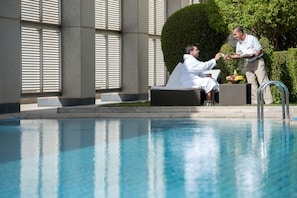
x=248, y=47
x=192, y=73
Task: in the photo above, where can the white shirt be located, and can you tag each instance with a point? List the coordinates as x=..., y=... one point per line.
x=249, y=46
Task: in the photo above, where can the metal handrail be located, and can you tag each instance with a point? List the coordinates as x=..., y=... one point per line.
x=285, y=98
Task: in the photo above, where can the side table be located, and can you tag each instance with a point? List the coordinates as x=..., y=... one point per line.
x=235, y=94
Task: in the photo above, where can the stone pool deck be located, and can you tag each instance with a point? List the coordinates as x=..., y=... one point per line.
x=32, y=111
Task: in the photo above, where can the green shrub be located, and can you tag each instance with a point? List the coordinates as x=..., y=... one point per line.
x=189, y=26
x=228, y=66
x=292, y=67
x=278, y=73
x=292, y=73
x=283, y=69
x=268, y=53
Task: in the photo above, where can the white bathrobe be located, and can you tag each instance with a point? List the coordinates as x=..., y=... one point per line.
x=192, y=74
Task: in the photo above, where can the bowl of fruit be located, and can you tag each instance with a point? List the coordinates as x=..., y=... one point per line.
x=235, y=78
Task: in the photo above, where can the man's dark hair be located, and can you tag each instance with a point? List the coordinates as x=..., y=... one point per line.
x=190, y=48
x=238, y=28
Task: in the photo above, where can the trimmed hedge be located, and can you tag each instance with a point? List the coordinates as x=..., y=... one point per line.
x=283, y=69
x=292, y=67
x=189, y=26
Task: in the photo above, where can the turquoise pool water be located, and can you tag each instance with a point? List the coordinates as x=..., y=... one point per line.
x=148, y=158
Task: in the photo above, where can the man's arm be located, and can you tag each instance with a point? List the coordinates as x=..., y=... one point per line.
x=234, y=56
x=258, y=52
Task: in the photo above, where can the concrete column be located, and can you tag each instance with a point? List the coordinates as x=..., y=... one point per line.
x=135, y=49
x=78, y=41
x=10, y=56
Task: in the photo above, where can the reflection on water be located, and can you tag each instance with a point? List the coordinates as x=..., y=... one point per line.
x=147, y=158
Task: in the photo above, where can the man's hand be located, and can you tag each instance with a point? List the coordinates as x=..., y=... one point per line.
x=227, y=57
x=217, y=56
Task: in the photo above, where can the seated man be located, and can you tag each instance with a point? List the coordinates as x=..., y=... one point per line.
x=193, y=73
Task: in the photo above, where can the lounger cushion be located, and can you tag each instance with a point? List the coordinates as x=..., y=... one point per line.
x=173, y=82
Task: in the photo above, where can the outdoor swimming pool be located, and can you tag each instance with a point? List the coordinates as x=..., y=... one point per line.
x=148, y=158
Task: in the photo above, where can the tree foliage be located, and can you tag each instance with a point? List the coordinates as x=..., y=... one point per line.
x=190, y=25
x=274, y=19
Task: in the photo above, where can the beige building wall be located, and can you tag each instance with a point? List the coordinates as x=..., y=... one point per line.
x=78, y=52
x=10, y=56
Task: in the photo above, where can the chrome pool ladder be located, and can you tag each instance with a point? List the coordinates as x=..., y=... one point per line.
x=285, y=98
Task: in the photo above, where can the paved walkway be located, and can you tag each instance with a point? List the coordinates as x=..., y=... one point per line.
x=32, y=111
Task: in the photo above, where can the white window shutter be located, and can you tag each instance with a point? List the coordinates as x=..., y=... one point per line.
x=30, y=10
x=160, y=15
x=41, y=46
x=100, y=62
x=151, y=64
x=51, y=61
x=100, y=14
x=108, y=62
x=156, y=70
x=107, y=44
x=31, y=77
x=114, y=61
x=114, y=16
x=160, y=69
x=152, y=17
x=51, y=11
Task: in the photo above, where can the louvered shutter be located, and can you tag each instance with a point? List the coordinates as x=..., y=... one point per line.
x=114, y=15
x=160, y=69
x=108, y=61
x=100, y=62
x=30, y=10
x=100, y=14
x=107, y=44
x=160, y=16
x=114, y=62
x=151, y=63
x=31, y=77
x=151, y=17
x=51, y=11
x=41, y=46
x=51, y=61
x=157, y=69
